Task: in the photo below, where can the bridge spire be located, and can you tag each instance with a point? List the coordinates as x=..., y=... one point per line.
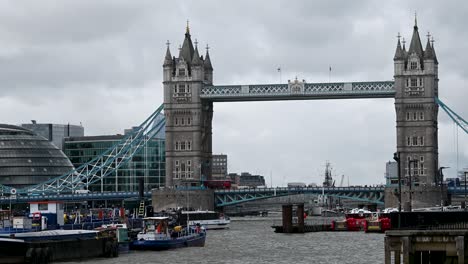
x=196, y=61
x=187, y=49
x=207, y=63
x=428, y=53
x=399, y=54
x=168, y=58
x=415, y=44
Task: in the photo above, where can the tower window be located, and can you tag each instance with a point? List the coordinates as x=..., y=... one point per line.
x=181, y=72
x=414, y=82
x=408, y=115
x=176, y=121
x=189, y=121
x=421, y=115
x=413, y=65
x=408, y=141
x=415, y=141
x=421, y=141
x=415, y=116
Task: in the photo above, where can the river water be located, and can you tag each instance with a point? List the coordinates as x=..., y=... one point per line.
x=252, y=240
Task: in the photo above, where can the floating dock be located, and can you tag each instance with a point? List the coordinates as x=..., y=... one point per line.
x=56, y=245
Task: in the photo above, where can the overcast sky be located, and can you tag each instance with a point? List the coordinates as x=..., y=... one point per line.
x=100, y=63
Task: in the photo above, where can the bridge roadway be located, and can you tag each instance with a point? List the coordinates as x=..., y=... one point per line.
x=227, y=197
x=298, y=90
x=364, y=194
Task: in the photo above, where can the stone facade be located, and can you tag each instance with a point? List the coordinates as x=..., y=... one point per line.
x=188, y=118
x=416, y=85
x=422, y=196
x=164, y=199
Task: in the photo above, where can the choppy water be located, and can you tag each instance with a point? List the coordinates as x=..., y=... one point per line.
x=253, y=241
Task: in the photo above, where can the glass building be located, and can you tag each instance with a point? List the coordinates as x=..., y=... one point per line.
x=148, y=163
x=55, y=133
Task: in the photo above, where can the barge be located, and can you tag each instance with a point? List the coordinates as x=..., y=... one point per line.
x=56, y=245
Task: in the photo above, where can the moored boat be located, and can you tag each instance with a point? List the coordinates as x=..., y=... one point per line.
x=208, y=219
x=156, y=235
x=56, y=245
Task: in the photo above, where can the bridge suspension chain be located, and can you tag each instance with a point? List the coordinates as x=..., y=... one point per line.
x=103, y=165
x=454, y=116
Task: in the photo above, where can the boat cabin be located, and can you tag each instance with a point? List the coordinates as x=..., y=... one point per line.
x=46, y=214
x=155, y=228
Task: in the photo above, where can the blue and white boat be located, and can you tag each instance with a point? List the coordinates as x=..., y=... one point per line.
x=156, y=235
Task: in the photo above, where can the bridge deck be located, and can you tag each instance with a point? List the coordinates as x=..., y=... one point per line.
x=299, y=91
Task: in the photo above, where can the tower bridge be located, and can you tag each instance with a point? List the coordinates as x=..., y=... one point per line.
x=189, y=94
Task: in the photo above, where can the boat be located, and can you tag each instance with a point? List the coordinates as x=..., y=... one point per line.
x=157, y=235
x=15, y=224
x=121, y=233
x=210, y=220
x=56, y=245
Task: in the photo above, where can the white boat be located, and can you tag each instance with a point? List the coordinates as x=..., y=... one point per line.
x=208, y=219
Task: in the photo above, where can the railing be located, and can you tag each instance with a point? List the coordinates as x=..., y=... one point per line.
x=297, y=88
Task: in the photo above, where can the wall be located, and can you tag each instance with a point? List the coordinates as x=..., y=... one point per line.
x=422, y=196
x=171, y=198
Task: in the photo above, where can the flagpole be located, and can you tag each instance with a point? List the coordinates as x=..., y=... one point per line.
x=279, y=70
x=329, y=73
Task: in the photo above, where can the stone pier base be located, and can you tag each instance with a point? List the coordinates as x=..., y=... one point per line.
x=170, y=198
x=422, y=196
x=425, y=246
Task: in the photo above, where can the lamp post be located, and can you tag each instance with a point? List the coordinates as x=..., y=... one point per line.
x=466, y=172
x=415, y=162
x=441, y=175
x=396, y=157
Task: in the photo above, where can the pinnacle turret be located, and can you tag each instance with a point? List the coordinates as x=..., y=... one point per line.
x=415, y=45
x=207, y=63
x=399, y=53
x=187, y=50
x=196, y=61
x=428, y=52
x=168, y=58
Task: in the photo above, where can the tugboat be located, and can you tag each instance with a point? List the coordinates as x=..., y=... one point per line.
x=157, y=235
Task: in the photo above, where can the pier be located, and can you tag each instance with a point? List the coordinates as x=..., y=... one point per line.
x=427, y=237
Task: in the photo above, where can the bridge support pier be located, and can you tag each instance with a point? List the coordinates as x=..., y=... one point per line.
x=287, y=218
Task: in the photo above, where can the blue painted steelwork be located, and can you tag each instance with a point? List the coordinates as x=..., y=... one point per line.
x=364, y=194
x=72, y=197
x=230, y=197
x=454, y=116
x=101, y=166
x=299, y=91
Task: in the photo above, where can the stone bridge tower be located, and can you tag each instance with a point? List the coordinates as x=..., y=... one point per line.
x=188, y=118
x=416, y=85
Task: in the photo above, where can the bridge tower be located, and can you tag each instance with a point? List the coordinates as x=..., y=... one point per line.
x=416, y=85
x=188, y=118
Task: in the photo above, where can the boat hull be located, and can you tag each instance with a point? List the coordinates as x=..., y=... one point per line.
x=44, y=247
x=197, y=240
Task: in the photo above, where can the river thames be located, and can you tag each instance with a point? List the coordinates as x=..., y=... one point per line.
x=252, y=240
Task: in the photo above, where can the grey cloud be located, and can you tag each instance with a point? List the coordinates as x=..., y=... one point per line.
x=99, y=62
